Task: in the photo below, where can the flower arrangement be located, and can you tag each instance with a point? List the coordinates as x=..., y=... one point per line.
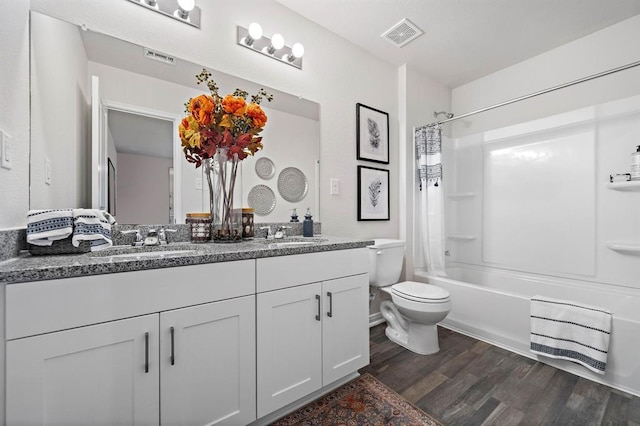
x=219, y=132
x=228, y=122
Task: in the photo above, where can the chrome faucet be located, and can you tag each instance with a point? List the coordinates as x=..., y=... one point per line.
x=162, y=235
x=280, y=232
x=139, y=240
x=269, y=235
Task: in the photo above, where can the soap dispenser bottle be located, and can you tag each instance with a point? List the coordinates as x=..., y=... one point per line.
x=307, y=225
x=635, y=164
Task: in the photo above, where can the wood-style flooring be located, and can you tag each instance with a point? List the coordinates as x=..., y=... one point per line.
x=470, y=382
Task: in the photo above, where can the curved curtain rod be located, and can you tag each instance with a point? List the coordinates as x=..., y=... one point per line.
x=541, y=92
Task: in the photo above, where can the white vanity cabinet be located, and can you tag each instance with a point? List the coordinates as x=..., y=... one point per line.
x=175, y=344
x=312, y=323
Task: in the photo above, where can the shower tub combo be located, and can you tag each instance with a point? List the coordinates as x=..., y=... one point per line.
x=494, y=305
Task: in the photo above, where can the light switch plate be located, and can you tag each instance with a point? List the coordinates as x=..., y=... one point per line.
x=335, y=187
x=5, y=150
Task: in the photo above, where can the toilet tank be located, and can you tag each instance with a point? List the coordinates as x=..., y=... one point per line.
x=385, y=262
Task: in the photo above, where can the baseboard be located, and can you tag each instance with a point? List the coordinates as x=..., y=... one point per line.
x=376, y=319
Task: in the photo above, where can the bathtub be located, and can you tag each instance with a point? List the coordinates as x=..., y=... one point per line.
x=493, y=305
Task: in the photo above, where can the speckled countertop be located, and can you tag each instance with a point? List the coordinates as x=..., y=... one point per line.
x=26, y=267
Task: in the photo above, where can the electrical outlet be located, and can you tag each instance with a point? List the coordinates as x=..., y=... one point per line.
x=5, y=150
x=335, y=187
x=47, y=171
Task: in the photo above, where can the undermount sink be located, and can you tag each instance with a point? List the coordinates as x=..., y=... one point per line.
x=145, y=254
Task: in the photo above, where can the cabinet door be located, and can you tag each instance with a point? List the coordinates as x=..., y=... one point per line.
x=345, y=333
x=289, y=345
x=208, y=364
x=104, y=374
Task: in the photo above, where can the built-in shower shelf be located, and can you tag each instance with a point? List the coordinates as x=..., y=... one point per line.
x=461, y=195
x=461, y=237
x=631, y=185
x=622, y=247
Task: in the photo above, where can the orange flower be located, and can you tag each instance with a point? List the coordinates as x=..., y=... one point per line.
x=234, y=105
x=257, y=115
x=202, y=108
x=189, y=132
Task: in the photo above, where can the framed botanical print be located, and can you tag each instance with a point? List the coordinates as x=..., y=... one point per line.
x=372, y=130
x=373, y=193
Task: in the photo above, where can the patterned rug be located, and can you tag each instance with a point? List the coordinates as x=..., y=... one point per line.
x=362, y=401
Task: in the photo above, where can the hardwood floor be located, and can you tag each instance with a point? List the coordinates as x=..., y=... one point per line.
x=470, y=382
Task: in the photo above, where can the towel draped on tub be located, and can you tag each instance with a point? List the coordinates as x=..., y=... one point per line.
x=567, y=330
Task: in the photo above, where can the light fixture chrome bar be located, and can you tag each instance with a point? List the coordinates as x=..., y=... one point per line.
x=541, y=92
x=263, y=46
x=171, y=9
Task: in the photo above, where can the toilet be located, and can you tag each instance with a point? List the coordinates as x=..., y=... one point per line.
x=415, y=308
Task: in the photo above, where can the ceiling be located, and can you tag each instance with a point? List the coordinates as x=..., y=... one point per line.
x=140, y=134
x=464, y=40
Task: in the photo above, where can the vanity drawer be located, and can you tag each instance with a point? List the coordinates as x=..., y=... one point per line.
x=274, y=273
x=45, y=306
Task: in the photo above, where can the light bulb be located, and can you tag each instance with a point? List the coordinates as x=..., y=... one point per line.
x=187, y=5
x=277, y=41
x=297, y=50
x=255, y=31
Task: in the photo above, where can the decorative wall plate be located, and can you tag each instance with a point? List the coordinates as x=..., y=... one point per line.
x=265, y=168
x=292, y=184
x=262, y=200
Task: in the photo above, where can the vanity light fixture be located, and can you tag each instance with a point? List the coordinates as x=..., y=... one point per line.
x=252, y=38
x=182, y=10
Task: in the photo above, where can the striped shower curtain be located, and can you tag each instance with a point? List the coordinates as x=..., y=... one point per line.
x=428, y=141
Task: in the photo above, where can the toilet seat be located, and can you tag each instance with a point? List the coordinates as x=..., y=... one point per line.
x=420, y=292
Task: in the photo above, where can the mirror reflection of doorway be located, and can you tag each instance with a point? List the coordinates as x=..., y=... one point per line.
x=141, y=150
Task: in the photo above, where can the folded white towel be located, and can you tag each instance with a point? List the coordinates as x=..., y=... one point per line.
x=46, y=226
x=568, y=330
x=92, y=225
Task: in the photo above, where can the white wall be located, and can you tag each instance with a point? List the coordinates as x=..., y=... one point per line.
x=336, y=74
x=14, y=110
x=142, y=184
x=60, y=134
x=606, y=49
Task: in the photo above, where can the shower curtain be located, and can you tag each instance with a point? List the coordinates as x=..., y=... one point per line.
x=428, y=141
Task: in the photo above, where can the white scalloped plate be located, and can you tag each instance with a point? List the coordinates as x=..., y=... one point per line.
x=262, y=200
x=265, y=168
x=292, y=184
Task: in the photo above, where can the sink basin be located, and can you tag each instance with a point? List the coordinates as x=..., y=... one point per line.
x=145, y=254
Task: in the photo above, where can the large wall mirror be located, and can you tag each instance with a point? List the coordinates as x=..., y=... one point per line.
x=86, y=85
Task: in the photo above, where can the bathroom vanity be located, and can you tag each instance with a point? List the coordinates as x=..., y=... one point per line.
x=215, y=334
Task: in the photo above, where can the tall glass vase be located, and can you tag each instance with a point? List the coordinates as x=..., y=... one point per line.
x=224, y=176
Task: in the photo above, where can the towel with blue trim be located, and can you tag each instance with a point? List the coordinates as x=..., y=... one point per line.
x=46, y=226
x=567, y=330
x=92, y=225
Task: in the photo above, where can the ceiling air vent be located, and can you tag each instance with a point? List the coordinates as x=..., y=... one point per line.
x=402, y=33
x=159, y=56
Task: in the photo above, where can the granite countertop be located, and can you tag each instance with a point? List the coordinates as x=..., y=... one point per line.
x=27, y=267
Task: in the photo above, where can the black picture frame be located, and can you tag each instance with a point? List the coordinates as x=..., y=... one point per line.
x=372, y=134
x=373, y=194
x=111, y=188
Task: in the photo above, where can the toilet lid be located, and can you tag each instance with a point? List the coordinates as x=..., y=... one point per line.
x=420, y=291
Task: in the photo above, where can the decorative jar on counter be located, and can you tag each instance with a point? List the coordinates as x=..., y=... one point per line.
x=199, y=227
x=247, y=224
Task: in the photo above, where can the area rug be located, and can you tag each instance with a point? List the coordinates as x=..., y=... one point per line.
x=362, y=401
